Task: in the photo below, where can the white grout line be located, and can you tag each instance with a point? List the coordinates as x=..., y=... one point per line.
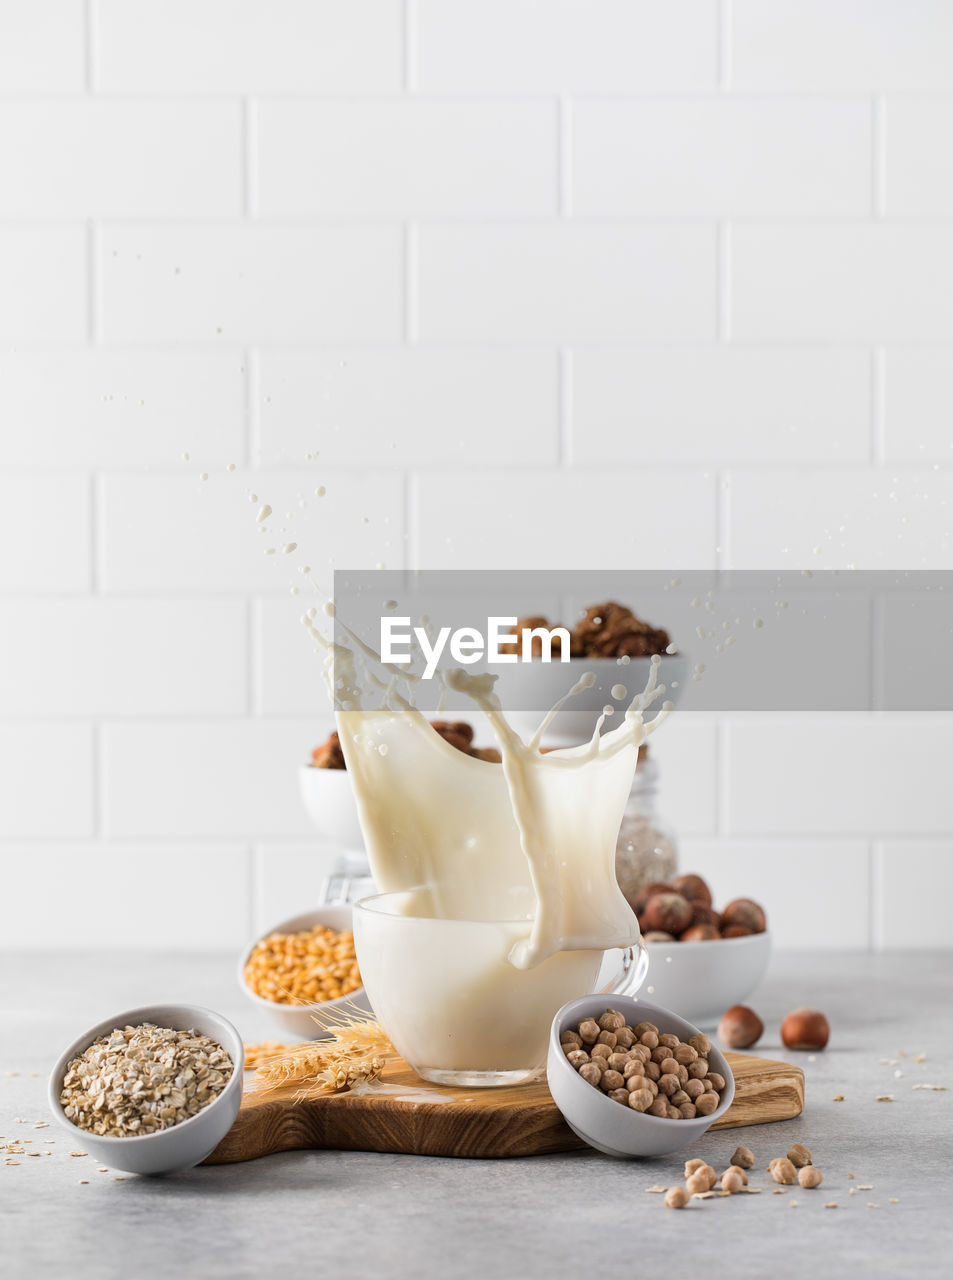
x=93, y=302
x=723, y=280
x=411, y=281
x=875, y=897
x=411, y=520
x=564, y=407
x=722, y=764
x=724, y=44
x=564, y=157
x=879, y=157
x=249, y=157
x=409, y=33
x=253, y=689
x=91, y=42
x=253, y=433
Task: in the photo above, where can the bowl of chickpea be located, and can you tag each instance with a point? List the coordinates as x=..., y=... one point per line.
x=303, y=969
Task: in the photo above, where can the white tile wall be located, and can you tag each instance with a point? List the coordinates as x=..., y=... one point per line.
x=546, y=283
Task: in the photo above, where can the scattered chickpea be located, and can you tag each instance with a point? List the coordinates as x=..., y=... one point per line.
x=731, y=1181
x=692, y=1165
x=735, y=1168
x=677, y=1197
x=743, y=1158
x=809, y=1176
x=783, y=1171
x=799, y=1155
x=697, y=1183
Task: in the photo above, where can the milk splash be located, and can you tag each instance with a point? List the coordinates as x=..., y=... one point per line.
x=530, y=840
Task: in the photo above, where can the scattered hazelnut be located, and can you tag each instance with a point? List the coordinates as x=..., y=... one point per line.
x=640, y=899
x=667, y=911
x=699, y=933
x=693, y=888
x=783, y=1171
x=731, y=1181
x=743, y=1158
x=740, y=1027
x=799, y=1155
x=744, y=912
x=805, y=1029
x=677, y=1197
x=809, y=1176
x=704, y=915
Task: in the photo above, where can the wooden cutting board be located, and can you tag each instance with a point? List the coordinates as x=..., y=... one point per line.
x=405, y=1114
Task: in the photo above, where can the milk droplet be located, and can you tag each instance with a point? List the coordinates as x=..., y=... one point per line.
x=186, y=457
x=382, y=749
x=263, y=513
x=329, y=609
x=270, y=551
x=230, y=467
x=304, y=568
x=758, y=624
x=288, y=548
x=311, y=612
x=320, y=491
x=671, y=648
x=700, y=668
x=294, y=591
x=701, y=632
x=618, y=691
x=253, y=497
x=204, y=475
x=390, y=604
x=608, y=710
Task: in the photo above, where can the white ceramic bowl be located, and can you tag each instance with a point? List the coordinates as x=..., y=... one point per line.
x=700, y=980
x=329, y=799
x=528, y=690
x=297, y=1020
x=609, y=1126
x=184, y=1145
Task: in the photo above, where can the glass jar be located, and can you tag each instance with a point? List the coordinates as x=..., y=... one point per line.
x=645, y=850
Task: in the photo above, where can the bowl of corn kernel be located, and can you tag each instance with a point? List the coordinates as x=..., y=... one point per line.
x=302, y=969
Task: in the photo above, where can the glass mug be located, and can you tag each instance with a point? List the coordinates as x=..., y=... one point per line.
x=453, y=1006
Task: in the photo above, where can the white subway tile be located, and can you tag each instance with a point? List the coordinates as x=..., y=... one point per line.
x=42, y=46
x=124, y=657
x=685, y=749
x=557, y=282
x=721, y=156
x=89, y=158
x=918, y=398
x=839, y=519
x=48, y=783
x=220, y=781
x=410, y=406
x=232, y=284
x=96, y=896
x=47, y=520
x=289, y=879
x=719, y=405
x=176, y=533
x=846, y=774
x=918, y=173
x=43, y=292
x=406, y=157
x=814, y=893
x=566, y=520
x=915, y=885
x=290, y=676
x=580, y=45
x=115, y=408
x=842, y=283
x=841, y=44
x=249, y=46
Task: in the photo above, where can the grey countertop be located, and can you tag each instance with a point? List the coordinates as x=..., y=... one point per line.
x=358, y=1214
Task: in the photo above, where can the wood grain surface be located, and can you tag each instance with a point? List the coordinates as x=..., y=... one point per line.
x=408, y=1115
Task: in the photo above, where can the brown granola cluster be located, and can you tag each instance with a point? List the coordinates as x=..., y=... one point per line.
x=457, y=733
x=608, y=630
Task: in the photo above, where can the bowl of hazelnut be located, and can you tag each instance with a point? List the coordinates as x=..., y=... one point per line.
x=701, y=960
x=634, y=1079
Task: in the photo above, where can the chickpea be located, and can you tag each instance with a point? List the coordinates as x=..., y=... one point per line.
x=611, y=1080
x=809, y=1176
x=577, y=1058
x=641, y=1100
x=706, y=1104
x=611, y=1020
x=677, y=1197
x=589, y=1030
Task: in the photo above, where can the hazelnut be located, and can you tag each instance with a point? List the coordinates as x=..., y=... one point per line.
x=744, y=911
x=619, y=1095
x=640, y=1099
x=577, y=1057
x=709, y=1173
x=682, y=1073
x=805, y=1029
x=667, y=911
x=705, y=1103
x=783, y=1171
x=700, y=933
x=799, y=1155
x=632, y=1083
x=743, y=1158
x=810, y=1177
x=611, y=1020
x=740, y=1027
x=700, y=1043
x=696, y=1183
x=731, y=1181
x=589, y=1031
x=704, y=915
x=658, y=935
x=640, y=899
x=672, y=1113
x=693, y=888
x=736, y=931
x=590, y=1073
x=677, y=1197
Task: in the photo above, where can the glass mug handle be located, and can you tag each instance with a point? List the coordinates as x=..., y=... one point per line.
x=632, y=970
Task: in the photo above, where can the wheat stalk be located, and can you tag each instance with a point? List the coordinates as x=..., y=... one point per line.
x=356, y=1049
